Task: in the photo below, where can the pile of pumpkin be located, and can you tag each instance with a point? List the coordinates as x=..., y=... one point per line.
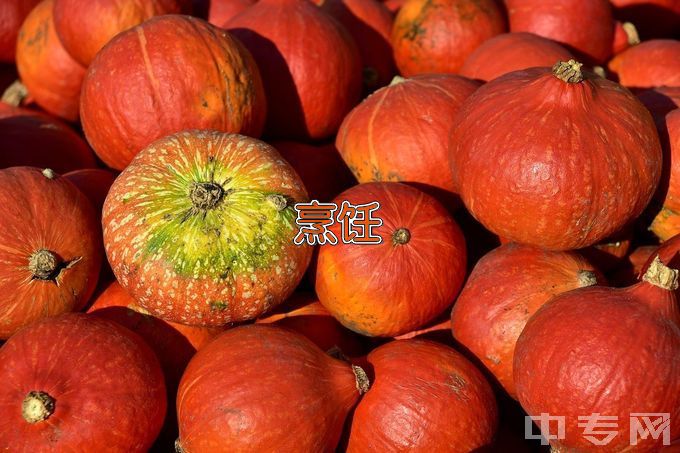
x=524, y=155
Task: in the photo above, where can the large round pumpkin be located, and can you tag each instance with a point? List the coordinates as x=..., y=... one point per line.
x=199, y=228
x=653, y=18
x=408, y=279
x=585, y=26
x=85, y=26
x=12, y=15
x=265, y=388
x=51, y=76
x=667, y=222
x=30, y=138
x=606, y=351
x=311, y=81
x=511, y=52
x=51, y=251
x=424, y=397
x=506, y=287
x=79, y=383
x=401, y=132
x=571, y=159
x=649, y=64
x=147, y=83
x=431, y=36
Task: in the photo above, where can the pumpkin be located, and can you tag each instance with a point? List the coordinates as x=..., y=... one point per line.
x=94, y=183
x=654, y=18
x=147, y=84
x=212, y=237
x=370, y=24
x=12, y=14
x=432, y=36
x=221, y=11
x=660, y=101
x=511, y=52
x=424, y=397
x=51, y=253
x=568, y=184
x=275, y=376
x=437, y=329
x=320, y=167
x=611, y=351
x=649, y=64
x=584, y=26
x=506, y=287
x=85, y=26
x=311, y=82
x=408, y=279
x=401, y=132
x=625, y=36
x=30, y=138
x=79, y=383
x=51, y=76
x=666, y=224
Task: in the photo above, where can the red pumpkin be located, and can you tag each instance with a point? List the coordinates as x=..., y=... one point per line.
x=612, y=351
x=370, y=24
x=585, y=26
x=408, y=279
x=30, y=138
x=649, y=64
x=504, y=290
x=289, y=394
x=320, y=167
x=379, y=141
x=432, y=36
x=94, y=183
x=12, y=15
x=511, y=52
x=147, y=84
x=666, y=224
x=51, y=250
x=206, y=241
x=424, y=397
x=51, y=76
x=522, y=182
x=625, y=36
x=222, y=11
x=85, y=26
x=654, y=18
x=311, y=82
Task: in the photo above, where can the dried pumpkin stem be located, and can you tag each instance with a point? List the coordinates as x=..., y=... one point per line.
x=206, y=195
x=43, y=263
x=568, y=71
x=397, y=80
x=631, y=33
x=401, y=236
x=15, y=94
x=37, y=406
x=178, y=446
x=661, y=275
x=362, y=381
x=586, y=278
x=279, y=201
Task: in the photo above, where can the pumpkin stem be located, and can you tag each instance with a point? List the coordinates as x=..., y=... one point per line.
x=631, y=33
x=279, y=201
x=363, y=383
x=49, y=173
x=206, y=195
x=397, y=80
x=661, y=275
x=586, y=278
x=37, y=406
x=568, y=71
x=178, y=446
x=15, y=94
x=43, y=263
x=401, y=236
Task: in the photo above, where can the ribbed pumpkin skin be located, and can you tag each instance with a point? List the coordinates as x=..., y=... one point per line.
x=401, y=132
x=51, y=76
x=511, y=52
x=221, y=11
x=506, y=287
x=649, y=64
x=425, y=397
x=667, y=222
x=591, y=166
x=85, y=26
x=285, y=394
x=147, y=84
x=30, y=138
x=107, y=386
x=12, y=15
x=191, y=263
x=586, y=26
x=602, y=350
x=52, y=214
x=652, y=18
x=311, y=81
x=436, y=36
x=393, y=288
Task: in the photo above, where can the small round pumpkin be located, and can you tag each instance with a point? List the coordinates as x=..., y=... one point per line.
x=311, y=81
x=408, y=279
x=51, y=251
x=436, y=36
x=49, y=73
x=590, y=168
x=206, y=239
x=511, y=52
x=424, y=397
x=79, y=383
x=148, y=83
x=94, y=183
x=666, y=224
x=13, y=13
x=649, y=64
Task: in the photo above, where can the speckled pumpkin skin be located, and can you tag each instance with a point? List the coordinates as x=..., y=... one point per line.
x=212, y=266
